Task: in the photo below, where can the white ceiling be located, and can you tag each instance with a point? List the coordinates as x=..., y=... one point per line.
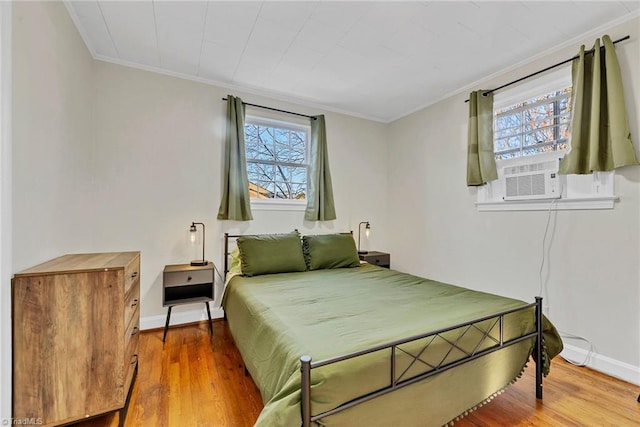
x=379, y=60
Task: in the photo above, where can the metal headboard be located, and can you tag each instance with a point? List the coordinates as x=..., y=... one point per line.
x=227, y=253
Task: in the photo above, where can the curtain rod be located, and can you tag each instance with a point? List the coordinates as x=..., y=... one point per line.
x=275, y=109
x=547, y=69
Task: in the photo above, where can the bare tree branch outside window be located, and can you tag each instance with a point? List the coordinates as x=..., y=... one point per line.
x=535, y=126
x=276, y=161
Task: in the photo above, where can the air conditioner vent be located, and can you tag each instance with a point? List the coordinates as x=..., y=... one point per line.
x=531, y=167
x=532, y=181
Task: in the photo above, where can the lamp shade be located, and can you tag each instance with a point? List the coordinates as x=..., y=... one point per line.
x=367, y=227
x=193, y=236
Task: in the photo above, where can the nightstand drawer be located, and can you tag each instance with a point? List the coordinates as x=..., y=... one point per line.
x=181, y=278
x=377, y=258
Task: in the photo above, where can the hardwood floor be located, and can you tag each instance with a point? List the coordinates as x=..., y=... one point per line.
x=198, y=380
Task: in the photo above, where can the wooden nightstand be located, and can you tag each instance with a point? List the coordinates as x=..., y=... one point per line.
x=187, y=284
x=381, y=259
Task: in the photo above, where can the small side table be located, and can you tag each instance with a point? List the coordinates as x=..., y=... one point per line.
x=187, y=284
x=381, y=259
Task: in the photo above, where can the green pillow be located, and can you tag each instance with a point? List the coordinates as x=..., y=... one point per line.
x=270, y=253
x=330, y=251
x=235, y=267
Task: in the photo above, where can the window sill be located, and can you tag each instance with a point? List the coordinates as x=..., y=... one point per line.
x=584, y=203
x=278, y=205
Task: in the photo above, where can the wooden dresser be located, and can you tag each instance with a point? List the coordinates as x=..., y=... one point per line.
x=75, y=336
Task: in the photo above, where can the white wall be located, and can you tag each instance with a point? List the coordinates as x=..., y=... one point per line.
x=49, y=145
x=5, y=210
x=48, y=209
x=594, y=271
x=52, y=93
x=157, y=166
x=110, y=158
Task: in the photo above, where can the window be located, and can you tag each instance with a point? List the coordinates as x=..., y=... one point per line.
x=531, y=134
x=277, y=159
x=537, y=125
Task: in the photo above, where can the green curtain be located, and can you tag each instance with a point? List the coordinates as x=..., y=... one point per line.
x=481, y=162
x=235, y=203
x=600, y=137
x=320, y=206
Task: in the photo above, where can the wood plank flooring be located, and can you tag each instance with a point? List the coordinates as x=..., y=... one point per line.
x=198, y=380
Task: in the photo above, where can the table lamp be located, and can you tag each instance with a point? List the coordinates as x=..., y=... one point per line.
x=367, y=227
x=192, y=230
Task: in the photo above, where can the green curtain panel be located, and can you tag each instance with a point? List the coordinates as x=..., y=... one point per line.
x=235, y=204
x=320, y=206
x=600, y=137
x=481, y=162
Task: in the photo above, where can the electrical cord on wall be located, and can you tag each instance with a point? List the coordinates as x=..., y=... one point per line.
x=544, y=244
x=568, y=336
x=563, y=335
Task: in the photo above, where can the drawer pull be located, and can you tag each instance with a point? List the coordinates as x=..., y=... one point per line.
x=189, y=278
x=134, y=303
x=134, y=274
x=134, y=331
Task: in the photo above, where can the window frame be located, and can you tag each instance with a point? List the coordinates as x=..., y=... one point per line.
x=277, y=204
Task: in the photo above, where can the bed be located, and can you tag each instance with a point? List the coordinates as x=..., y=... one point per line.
x=362, y=345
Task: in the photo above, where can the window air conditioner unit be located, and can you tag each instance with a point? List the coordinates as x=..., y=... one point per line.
x=529, y=181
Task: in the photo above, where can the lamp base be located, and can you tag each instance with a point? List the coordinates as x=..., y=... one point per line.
x=363, y=252
x=199, y=262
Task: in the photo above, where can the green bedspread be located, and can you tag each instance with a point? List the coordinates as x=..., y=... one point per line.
x=277, y=318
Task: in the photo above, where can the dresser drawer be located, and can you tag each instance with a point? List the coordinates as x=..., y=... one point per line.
x=131, y=347
x=130, y=361
x=131, y=273
x=131, y=302
x=132, y=332
x=131, y=343
x=180, y=278
x=129, y=370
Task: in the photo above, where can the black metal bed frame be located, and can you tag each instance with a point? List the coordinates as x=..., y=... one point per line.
x=396, y=381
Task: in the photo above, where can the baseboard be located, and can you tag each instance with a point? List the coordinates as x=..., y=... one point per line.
x=179, y=318
x=604, y=364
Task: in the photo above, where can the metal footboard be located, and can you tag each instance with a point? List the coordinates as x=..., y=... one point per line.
x=399, y=381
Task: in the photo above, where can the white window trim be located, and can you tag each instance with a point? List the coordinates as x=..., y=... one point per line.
x=583, y=203
x=278, y=123
x=595, y=191
x=280, y=204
